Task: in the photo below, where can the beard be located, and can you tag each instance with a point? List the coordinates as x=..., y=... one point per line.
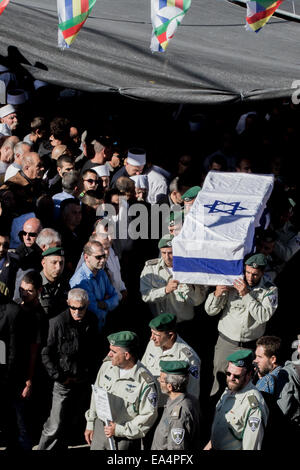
x=235, y=386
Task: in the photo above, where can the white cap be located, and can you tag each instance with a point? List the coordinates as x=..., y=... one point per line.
x=241, y=125
x=6, y=110
x=136, y=157
x=101, y=170
x=38, y=84
x=140, y=181
x=16, y=96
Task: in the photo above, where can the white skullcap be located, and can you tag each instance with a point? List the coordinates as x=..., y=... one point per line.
x=102, y=170
x=38, y=84
x=140, y=181
x=6, y=110
x=136, y=157
x=16, y=97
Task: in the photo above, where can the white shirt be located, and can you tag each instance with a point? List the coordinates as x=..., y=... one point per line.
x=114, y=268
x=11, y=171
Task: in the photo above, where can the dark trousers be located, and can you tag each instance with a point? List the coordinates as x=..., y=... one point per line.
x=69, y=404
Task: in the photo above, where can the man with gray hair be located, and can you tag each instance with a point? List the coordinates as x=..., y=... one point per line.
x=69, y=183
x=19, y=150
x=178, y=428
x=47, y=238
x=71, y=359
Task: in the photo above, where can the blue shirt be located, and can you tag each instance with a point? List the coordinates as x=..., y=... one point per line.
x=98, y=288
x=268, y=382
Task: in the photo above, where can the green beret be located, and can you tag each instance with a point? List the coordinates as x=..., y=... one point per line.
x=242, y=358
x=191, y=193
x=55, y=250
x=163, y=322
x=174, y=367
x=257, y=261
x=175, y=218
x=123, y=339
x=165, y=241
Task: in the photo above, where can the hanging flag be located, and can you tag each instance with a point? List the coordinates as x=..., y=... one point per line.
x=259, y=13
x=3, y=5
x=166, y=15
x=72, y=15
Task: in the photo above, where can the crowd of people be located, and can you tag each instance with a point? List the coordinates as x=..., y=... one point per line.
x=89, y=206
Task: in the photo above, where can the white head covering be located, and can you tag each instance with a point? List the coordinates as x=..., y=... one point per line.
x=102, y=170
x=17, y=96
x=240, y=127
x=136, y=157
x=6, y=110
x=140, y=181
x=38, y=84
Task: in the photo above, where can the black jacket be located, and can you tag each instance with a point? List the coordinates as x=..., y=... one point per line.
x=72, y=348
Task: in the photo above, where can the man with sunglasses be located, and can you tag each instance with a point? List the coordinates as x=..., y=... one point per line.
x=92, y=278
x=71, y=358
x=241, y=413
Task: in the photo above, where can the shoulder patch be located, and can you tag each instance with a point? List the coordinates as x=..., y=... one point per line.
x=176, y=412
x=187, y=352
x=147, y=377
x=253, y=402
x=152, y=262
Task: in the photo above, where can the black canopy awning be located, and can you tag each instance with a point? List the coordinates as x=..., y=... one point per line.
x=212, y=59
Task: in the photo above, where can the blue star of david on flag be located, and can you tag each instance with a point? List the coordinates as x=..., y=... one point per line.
x=234, y=207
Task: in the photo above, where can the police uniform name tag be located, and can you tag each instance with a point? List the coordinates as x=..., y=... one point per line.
x=102, y=403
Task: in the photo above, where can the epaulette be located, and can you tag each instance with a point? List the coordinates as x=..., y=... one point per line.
x=152, y=262
x=187, y=352
x=147, y=377
x=176, y=412
x=253, y=402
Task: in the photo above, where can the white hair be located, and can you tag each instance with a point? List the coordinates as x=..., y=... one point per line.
x=78, y=294
x=47, y=237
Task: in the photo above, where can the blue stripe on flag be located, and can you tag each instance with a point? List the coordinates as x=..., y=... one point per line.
x=69, y=9
x=162, y=3
x=207, y=265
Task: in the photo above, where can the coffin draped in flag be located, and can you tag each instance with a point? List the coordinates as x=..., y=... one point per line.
x=218, y=231
x=3, y=5
x=259, y=13
x=166, y=15
x=72, y=15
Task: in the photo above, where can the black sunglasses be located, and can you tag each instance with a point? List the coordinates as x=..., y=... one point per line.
x=235, y=376
x=31, y=234
x=77, y=308
x=99, y=256
x=92, y=181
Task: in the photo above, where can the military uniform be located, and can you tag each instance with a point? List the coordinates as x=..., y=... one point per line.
x=180, y=351
x=243, y=319
x=53, y=297
x=240, y=420
x=178, y=428
x=133, y=402
x=154, y=278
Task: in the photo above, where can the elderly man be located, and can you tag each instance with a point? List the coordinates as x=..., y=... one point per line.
x=71, y=359
x=6, y=155
x=8, y=120
x=92, y=277
x=163, y=292
x=178, y=428
x=132, y=394
x=246, y=308
x=241, y=413
x=54, y=291
x=27, y=184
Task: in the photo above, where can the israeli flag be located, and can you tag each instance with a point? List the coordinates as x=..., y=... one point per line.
x=218, y=231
